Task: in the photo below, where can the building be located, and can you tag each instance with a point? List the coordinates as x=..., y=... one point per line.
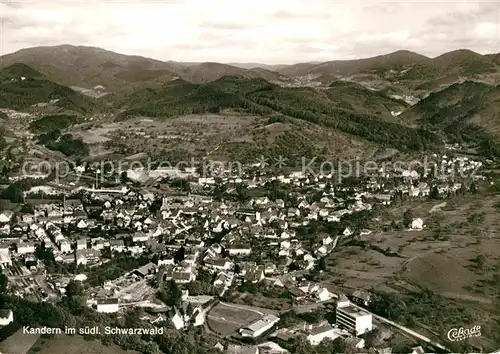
x=417, y=350
x=198, y=317
x=65, y=246
x=6, y=317
x=26, y=248
x=87, y=256
x=5, y=260
x=65, y=258
x=81, y=244
x=353, y=319
x=321, y=333
x=146, y=270
x=239, y=250
x=6, y=216
x=361, y=297
x=107, y=305
x=257, y=328
x=178, y=320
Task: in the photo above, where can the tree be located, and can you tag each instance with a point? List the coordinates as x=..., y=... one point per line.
x=13, y=193
x=242, y=193
x=434, y=193
x=174, y=295
x=322, y=264
x=371, y=338
x=5, y=171
x=151, y=348
x=75, y=304
x=27, y=209
x=180, y=255
x=402, y=348
x=3, y=283
x=473, y=188
x=74, y=288
x=407, y=217
x=124, y=177
x=237, y=268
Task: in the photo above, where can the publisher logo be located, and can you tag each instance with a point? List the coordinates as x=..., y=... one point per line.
x=459, y=334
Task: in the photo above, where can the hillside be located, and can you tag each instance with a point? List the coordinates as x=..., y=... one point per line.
x=386, y=62
x=50, y=123
x=88, y=67
x=408, y=70
x=22, y=86
x=352, y=96
x=18, y=70
x=464, y=62
x=347, y=114
x=206, y=72
x=467, y=112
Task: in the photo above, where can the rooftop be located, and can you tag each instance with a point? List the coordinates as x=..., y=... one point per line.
x=353, y=311
x=259, y=324
x=109, y=301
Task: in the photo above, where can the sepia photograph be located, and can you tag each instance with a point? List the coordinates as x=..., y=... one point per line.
x=249, y=177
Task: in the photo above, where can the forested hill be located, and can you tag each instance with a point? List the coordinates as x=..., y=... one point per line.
x=334, y=107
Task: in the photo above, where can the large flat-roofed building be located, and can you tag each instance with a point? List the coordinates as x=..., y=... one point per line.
x=257, y=328
x=107, y=305
x=353, y=319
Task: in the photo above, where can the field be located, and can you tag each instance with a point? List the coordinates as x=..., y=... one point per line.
x=226, y=136
x=76, y=345
x=439, y=257
x=456, y=256
x=18, y=343
x=226, y=319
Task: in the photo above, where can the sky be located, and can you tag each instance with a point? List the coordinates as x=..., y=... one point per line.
x=253, y=31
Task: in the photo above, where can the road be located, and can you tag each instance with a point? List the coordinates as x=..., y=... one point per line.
x=405, y=329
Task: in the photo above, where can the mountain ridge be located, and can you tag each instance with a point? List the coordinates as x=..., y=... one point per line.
x=90, y=66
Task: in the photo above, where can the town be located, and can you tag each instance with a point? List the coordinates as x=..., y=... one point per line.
x=235, y=257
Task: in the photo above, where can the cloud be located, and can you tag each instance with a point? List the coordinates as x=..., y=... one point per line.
x=272, y=31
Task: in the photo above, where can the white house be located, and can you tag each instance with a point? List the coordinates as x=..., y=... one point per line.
x=6, y=216
x=239, y=250
x=321, y=333
x=140, y=237
x=417, y=350
x=323, y=295
x=178, y=320
x=81, y=244
x=107, y=305
x=6, y=317
x=347, y=232
x=417, y=224
x=82, y=224
x=65, y=246
x=26, y=248
x=199, y=317
x=5, y=260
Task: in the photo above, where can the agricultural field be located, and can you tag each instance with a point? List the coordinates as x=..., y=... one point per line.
x=455, y=234
x=456, y=256
x=226, y=136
